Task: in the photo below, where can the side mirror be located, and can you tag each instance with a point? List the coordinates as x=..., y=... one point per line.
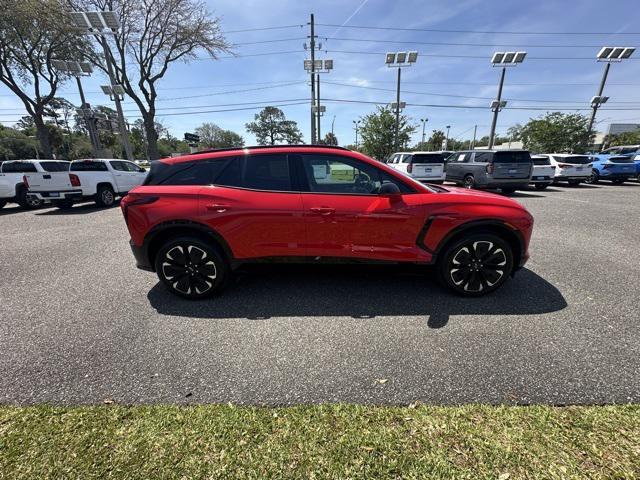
x=389, y=189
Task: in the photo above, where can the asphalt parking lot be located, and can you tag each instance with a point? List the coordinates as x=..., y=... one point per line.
x=80, y=324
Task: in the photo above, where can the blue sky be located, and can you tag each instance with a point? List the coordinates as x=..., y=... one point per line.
x=441, y=79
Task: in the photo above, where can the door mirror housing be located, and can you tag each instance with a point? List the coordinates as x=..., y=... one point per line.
x=389, y=188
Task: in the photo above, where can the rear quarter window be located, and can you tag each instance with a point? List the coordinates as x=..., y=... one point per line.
x=200, y=172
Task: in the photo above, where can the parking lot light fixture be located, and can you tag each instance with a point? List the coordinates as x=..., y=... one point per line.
x=504, y=60
x=399, y=59
x=607, y=55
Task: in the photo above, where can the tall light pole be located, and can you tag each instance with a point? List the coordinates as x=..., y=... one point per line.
x=356, y=123
x=608, y=55
x=475, y=130
x=504, y=60
x=399, y=59
x=100, y=24
x=424, y=122
x=446, y=140
x=317, y=66
x=80, y=69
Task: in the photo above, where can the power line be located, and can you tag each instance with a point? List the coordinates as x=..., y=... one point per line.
x=438, y=30
x=455, y=44
x=260, y=29
x=483, y=57
x=270, y=41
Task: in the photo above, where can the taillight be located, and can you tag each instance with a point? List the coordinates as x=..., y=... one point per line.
x=25, y=181
x=75, y=180
x=410, y=168
x=130, y=201
x=489, y=167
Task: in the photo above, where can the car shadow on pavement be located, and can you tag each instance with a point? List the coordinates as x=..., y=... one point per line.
x=259, y=292
x=80, y=209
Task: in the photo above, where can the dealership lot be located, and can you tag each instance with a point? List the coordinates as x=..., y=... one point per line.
x=80, y=324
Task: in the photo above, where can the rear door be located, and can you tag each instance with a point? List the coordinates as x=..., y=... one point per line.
x=255, y=204
x=512, y=165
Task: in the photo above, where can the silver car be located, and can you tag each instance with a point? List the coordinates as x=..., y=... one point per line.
x=508, y=170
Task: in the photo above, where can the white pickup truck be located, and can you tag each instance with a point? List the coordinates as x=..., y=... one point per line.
x=12, y=173
x=101, y=180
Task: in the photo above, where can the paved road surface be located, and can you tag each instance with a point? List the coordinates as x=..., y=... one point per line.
x=79, y=324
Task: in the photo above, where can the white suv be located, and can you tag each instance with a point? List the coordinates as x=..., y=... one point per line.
x=543, y=171
x=570, y=167
x=423, y=166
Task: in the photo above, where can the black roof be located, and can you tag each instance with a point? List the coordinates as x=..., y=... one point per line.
x=254, y=147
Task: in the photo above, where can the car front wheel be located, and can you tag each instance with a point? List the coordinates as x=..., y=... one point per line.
x=105, y=197
x=191, y=268
x=476, y=265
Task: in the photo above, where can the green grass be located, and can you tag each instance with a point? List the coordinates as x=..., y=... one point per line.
x=327, y=441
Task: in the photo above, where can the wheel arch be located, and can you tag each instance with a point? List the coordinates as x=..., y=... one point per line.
x=494, y=226
x=162, y=232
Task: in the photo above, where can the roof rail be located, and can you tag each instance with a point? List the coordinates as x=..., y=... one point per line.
x=256, y=147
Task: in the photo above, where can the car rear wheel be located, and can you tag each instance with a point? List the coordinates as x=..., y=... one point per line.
x=593, y=178
x=27, y=201
x=105, y=197
x=191, y=268
x=541, y=186
x=469, y=182
x=476, y=265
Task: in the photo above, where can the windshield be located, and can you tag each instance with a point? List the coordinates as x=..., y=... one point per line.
x=575, y=159
x=428, y=158
x=512, y=157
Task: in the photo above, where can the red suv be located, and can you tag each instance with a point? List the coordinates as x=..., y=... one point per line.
x=197, y=217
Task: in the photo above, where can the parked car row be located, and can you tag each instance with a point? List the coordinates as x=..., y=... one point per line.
x=511, y=170
x=31, y=183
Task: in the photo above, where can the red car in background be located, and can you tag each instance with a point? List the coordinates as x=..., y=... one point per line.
x=197, y=217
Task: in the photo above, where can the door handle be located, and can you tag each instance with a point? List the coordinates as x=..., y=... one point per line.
x=323, y=210
x=218, y=207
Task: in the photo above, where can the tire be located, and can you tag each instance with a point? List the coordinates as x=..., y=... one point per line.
x=541, y=186
x=105, y=197
x=593, y=178
x=63, y=204
x=26, y=201
x=2, y=203
x=508, y=190
x=469, y=181
x=475, y=265
x=201, y=273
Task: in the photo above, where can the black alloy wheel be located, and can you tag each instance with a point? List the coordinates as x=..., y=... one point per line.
x=191, y=268
x=476, y=265
x=469, y=181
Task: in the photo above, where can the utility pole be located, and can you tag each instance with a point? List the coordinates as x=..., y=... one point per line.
x=356, y=123
x=319, y=135
x=312, y=43
x=475, y=130
x=595, y=104
x=90, y=121
x=332, y=122
x=446, y=140
x=496, y=109
x=397, y=135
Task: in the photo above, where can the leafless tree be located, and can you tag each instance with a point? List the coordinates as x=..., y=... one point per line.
x=153, y=35
x=32, y=33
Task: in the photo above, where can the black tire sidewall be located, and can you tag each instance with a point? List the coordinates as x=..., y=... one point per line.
x=99, y=200
x=221, y=263
x=21, y=199
x=471, y=184
x=443, y=265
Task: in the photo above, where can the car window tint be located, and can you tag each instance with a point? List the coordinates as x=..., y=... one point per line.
x=88, y=166
x=231, y=174
x=418, y=158
x=512, y=157
x=482, y=157
x=196, y=173
x=460, y=157
x=131, y=167
x=340, y=175
x=19, y=167
x=406, y=158
x=267, y=172
x=55, y=166
x=119, y=166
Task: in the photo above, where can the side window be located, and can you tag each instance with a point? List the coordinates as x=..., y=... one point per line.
x=231, y=174
x=132, y=167
x=119, y=166
x=340, y=175
x=482, y=157
x=407, y=159
x=196, y=173
x=267, y=172
x=461, y=157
